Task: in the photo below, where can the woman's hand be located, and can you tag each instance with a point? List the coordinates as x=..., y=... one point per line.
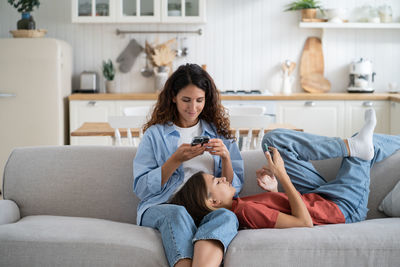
x=186, y=152
x=217, y=147
x=266, y=180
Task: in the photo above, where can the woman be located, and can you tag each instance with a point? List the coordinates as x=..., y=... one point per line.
x=188, y=106
x=343, y=200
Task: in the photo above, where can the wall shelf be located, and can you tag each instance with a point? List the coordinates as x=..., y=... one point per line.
x=349, y=25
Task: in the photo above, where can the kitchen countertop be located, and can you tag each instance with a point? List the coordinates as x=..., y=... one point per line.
x=296, y=96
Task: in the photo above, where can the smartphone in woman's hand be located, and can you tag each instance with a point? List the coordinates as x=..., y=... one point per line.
x=200, y=140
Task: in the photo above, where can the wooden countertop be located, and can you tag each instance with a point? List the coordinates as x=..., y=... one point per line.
x=297, y=96
x=104, y=129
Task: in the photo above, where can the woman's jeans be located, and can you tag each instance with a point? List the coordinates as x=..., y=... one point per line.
x=350, y=189
x=179, y=232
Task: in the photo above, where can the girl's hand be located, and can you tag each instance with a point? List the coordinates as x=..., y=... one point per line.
x=275, y=162
x=186, y=152
x=217, y=147
x=267, y=181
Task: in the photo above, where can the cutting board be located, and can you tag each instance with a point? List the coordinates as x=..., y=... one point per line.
x=312, y=58
x=315, y=83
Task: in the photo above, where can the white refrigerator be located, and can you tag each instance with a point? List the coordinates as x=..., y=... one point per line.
x=35, y=81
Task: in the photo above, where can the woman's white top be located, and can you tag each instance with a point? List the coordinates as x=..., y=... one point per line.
x=204, y=162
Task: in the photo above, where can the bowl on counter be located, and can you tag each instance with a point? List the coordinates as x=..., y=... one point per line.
x=335, y=15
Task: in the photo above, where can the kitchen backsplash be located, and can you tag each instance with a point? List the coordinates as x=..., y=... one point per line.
x=244, y=43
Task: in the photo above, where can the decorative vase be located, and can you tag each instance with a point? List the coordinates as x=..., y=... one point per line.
x=111, y=87
x=161, y=76
x=26, y=22
x=308, y=13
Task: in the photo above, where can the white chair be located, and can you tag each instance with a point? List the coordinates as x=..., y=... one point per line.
x=250, y=122
x=127, y=122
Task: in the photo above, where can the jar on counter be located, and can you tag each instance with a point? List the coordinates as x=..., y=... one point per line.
x=386, y=13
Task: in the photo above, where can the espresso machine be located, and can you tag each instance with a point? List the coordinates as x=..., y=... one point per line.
x=361, y=77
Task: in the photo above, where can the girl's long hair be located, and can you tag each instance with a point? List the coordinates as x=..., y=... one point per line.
x=165, y=110
x=193, y=196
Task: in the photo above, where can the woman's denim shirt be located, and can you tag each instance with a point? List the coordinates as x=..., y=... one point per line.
x=159, y=142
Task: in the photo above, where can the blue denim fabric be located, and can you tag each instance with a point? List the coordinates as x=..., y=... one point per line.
x=350, y=189
x=159, y=142
x=179, y=232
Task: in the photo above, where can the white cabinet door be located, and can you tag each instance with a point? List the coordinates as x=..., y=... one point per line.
x=354, y=118
x=395, y=118
x=93, y=11
x=121, y=105
x=138, y=11
x=90, y=111
x=317, y=117
x=183, y=11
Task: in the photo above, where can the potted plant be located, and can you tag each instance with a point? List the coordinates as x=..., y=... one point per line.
x=109, y=75
x=25, y=7
x=308, y=8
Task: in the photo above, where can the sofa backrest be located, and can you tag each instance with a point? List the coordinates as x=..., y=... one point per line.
x=97, y=181
x=384, y=176
x=80, y=181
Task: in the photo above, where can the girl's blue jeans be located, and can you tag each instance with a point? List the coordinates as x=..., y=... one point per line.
x=350, y=189
x=179, y=232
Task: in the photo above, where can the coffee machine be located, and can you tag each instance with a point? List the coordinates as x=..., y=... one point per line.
x=361, y=77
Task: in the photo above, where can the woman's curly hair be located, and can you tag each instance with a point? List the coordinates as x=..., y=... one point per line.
x=165, y=110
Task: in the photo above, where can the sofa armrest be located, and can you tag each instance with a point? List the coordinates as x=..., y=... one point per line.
x=9, y=212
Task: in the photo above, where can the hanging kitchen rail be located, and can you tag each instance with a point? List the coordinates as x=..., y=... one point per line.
x=199, y=32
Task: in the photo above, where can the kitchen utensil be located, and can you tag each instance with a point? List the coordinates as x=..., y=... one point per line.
x=147, y=71
x=161, y=76
x=361, y=76
x=315, y=83
x=287, y=81
x=312, y=58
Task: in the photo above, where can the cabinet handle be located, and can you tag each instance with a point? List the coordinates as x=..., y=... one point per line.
x=367, y=104
x=309, y=104
x=92, y=103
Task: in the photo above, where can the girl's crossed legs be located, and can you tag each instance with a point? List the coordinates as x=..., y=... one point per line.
x=350, y=189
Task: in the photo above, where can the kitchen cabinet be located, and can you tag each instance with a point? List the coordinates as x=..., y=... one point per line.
x=120, y=105
x=90, y=111
x=354, y=118
x=183, y=11
x=395, y=118
x=93, y=11
x=138, y=11
x=317, y=117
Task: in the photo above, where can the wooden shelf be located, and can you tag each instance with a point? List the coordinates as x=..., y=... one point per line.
x=349, y=25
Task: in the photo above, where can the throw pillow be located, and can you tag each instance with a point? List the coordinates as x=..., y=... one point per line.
x=390, y=205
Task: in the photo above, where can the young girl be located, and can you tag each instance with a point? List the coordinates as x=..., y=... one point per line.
x=188, y=106
x=343, y=200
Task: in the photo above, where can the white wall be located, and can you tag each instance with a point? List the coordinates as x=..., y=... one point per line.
x=243, y=45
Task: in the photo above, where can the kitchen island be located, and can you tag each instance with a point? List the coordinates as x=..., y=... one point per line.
x=330, y=114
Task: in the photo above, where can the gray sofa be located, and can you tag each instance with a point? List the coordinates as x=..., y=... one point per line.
x=74, y=206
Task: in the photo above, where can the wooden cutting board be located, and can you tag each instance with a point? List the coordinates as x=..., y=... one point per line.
x=315, y=83
x=312, y=58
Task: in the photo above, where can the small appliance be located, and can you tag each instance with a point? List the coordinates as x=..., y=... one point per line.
x=88, y=82
x=361, y=77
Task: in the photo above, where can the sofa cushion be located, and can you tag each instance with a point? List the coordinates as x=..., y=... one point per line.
x=369, y=243
x=74, y=241
x=391, y=203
